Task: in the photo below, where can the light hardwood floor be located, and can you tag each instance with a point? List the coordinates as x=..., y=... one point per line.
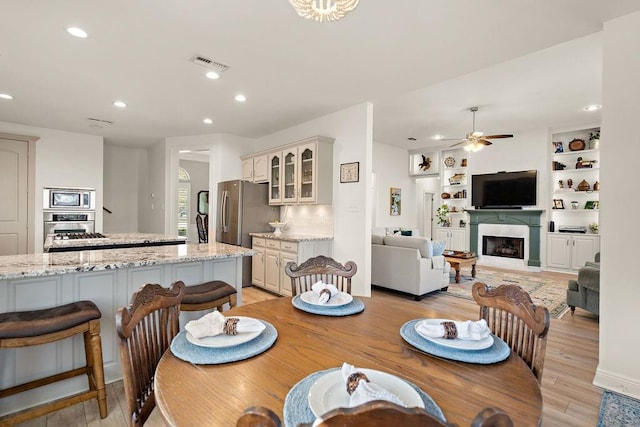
x=570, y=364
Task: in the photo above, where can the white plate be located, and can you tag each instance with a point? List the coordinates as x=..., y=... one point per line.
x=330, y=391
x=455, y=343
x=311, y=297
x=224, y=340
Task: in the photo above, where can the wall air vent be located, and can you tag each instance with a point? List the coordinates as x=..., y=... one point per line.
x=209, y=63
x=99, y=122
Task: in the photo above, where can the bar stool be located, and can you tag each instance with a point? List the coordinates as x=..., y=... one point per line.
x=209, y=295
x=27, y=328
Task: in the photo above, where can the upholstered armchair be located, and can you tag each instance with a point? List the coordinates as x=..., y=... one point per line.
x=585, y=291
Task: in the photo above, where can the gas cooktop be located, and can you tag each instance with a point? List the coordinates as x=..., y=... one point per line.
x=79, y=236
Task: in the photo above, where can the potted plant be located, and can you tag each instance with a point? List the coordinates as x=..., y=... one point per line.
x=442, y=213
x=594, y=139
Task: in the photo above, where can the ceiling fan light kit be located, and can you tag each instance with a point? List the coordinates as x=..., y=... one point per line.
x=323, y=10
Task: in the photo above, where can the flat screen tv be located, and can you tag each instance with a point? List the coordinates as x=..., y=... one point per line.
x=504, y=190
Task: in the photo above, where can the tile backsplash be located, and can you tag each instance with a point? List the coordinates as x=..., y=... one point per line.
x=308, y=219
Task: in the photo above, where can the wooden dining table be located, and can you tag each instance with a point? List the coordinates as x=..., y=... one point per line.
x=215, y=395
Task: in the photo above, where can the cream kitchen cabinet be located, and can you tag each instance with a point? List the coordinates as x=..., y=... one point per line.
x=455, y=238
x=255, y=169
x=274, y=254
x=302, y=172
x=258, y=262
x=571, y=251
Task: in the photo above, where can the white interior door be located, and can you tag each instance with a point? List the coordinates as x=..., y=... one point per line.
x=13, y=187
x=427, y=215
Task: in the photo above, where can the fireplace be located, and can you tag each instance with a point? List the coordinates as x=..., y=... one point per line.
x=506, y=247
x=507, y=224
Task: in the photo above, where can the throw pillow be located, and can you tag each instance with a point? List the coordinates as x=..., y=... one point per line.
x=438, y=247
x=406, y=232
x=377, y=239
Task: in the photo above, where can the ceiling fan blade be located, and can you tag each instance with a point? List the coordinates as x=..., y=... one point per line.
x=458, y=143
x=483, y=141
x=497, y=136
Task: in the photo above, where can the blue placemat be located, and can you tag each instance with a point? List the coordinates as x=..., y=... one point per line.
x=498, y=352
x=188, y=352
x=354, y=307
x=296, y=404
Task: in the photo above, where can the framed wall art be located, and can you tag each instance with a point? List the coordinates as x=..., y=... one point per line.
x=558, y=204
x=396, y=201
x=350, y=172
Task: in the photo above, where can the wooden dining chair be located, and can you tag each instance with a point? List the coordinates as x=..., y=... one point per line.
x=320, y=268
x=376, y=413
x=202, y=224
x=146, y=327
x=512, y=316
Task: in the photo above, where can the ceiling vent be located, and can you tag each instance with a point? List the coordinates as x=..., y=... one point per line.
x=209, y=63
x=99, y=122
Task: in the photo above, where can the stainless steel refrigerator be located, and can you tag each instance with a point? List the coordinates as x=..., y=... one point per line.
x=243, y=208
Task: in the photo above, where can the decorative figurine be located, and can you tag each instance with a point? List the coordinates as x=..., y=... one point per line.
x=596, y=186
x=560, y=184
x=569, y=183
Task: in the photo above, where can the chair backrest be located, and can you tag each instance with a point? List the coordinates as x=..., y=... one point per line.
x=202, y=223
x=512, y=316
x=320, y=268
x=146, y=327
x=376, y=413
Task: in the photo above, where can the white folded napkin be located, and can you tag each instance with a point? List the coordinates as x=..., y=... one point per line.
x=321, y=289
x=214, y=323
x=365, y=391
x=469, y=330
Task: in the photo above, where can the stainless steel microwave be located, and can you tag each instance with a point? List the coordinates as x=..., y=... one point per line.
x=69, y=199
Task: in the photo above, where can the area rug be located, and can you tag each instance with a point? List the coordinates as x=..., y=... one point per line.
x=618, y=410
x=547, y=292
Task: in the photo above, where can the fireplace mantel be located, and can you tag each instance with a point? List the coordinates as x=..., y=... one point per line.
x=528, y=217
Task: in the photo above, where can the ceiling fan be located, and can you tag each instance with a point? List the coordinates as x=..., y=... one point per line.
x=476, y=140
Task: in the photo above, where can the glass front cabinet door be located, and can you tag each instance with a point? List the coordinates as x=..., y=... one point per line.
x=290, y=172
x=307, y=173
x=275, y=192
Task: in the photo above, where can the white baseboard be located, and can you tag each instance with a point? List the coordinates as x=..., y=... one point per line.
x=613, y=382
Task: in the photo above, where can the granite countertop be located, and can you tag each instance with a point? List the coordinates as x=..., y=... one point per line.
x=47, y=264
x=292, y=237
x=113, y=239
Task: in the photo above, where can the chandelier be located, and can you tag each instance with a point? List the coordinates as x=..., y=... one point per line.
x=323, y=10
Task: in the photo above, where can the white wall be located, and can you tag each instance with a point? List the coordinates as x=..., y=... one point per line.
x=352, y=130
x=618, y=368
x=391, y=166
x=123, y=186
x=64, y=159
x=153, y=201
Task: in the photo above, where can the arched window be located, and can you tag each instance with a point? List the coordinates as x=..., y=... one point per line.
x=184, y=202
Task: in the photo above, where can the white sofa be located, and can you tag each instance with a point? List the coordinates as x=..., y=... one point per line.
x=406, y=264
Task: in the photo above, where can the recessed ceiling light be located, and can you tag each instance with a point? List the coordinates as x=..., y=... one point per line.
x=5, y=96
x=437, y=137
x=592, y=107
x=207, y=121
x=120, y=104
x=240, y=98
x=213, y=75
x=184, y=151
x=77, y=32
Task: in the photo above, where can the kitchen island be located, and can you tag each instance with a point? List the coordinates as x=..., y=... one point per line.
x=54, y=243
x=108, y=278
